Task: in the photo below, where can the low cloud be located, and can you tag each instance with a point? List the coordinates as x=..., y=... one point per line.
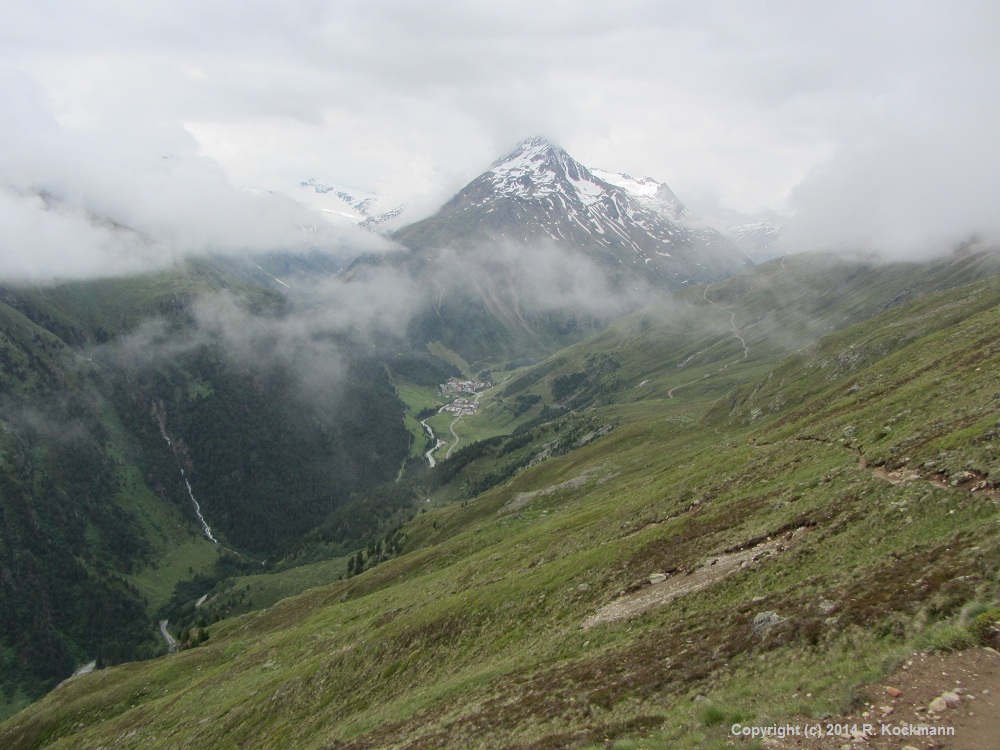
x=899, y=196
x=40, y=241
x=80, y=202
x=312, y=337
x=323, y=323
x=542, y=277
x=872, y=123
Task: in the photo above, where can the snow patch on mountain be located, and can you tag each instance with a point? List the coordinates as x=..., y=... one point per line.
x=537, y=169
x=340, y=204
x=650, y=193
x=760, y=229
x=758, y=240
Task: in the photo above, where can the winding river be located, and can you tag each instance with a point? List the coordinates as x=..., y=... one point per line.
x=438, y=442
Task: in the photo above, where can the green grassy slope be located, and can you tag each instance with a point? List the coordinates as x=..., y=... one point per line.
x=864, y=514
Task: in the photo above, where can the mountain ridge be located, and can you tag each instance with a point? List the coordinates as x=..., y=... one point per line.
x=539, y=193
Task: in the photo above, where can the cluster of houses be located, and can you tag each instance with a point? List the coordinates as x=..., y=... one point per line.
x=461, y=406
x=454, y=386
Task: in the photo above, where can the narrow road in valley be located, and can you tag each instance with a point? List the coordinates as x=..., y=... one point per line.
x=457, y=438
x=171, y=642
x=454, y=435
x=732, y=321
x=736, y=333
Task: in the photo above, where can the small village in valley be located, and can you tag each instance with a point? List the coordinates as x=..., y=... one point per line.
x=462, y=404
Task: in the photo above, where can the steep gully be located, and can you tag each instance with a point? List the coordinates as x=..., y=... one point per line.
x=732, y=322
x=206, y=529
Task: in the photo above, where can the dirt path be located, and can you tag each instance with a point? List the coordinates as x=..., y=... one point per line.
x=966, y=481
x=736, y=333
x=732, y=322
x=521, y=499
x=972, y=482
x=904, y=700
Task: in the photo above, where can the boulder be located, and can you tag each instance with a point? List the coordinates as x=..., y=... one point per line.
x=938, y=705
x=763, y=621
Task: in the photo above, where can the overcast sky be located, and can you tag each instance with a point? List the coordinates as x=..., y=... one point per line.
x=868, y=123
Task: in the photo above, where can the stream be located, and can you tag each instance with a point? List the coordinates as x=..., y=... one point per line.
x=429, y=455
x=197, y=509
x=206, y=529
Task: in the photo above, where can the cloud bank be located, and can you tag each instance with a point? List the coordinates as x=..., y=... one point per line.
x=79, y=202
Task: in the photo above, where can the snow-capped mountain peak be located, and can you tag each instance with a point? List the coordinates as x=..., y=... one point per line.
x=539, y=192
x=538, y=168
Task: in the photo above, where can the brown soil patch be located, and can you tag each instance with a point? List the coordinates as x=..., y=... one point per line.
x=905, y=698
x=711, y=571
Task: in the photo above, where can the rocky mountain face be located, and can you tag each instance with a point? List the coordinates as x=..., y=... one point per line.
x=539, y=251
x=539, y=194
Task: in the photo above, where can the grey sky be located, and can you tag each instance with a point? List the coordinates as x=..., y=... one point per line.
x=872, y=123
